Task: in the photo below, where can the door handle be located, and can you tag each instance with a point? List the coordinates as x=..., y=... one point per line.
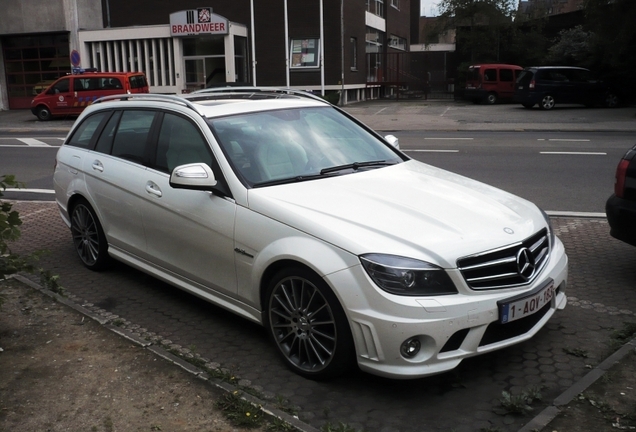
x=152, y=188
x=97, y=166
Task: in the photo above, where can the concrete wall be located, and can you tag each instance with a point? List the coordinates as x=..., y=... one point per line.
x=40, y=16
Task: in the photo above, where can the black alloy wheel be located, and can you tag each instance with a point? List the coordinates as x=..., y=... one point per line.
x=88, y=236
x=308, y=325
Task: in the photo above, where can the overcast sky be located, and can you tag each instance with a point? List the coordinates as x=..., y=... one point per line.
x=428, y=7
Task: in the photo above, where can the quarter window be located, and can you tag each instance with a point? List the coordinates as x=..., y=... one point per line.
x=490, y=75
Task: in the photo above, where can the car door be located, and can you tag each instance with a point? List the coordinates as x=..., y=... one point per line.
x=115, y=178
x=506, y=83
x=189, y=232
x=60, y=97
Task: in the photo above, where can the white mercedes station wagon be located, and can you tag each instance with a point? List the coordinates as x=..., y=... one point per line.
x=287, y=211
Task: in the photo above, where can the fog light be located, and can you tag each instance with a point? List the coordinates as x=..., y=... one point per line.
x=410, y=348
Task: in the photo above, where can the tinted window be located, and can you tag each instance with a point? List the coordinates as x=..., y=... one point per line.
x=556, y=75
x=180, y=143
x=525, y=77
x=137, y=81
x=84, y=84
x=105, y=142
x=490, y=75
x=578, y=75
x=109, y=83
x=62, y=86
x=84, y=133
x=506, y=75
x=132, y=135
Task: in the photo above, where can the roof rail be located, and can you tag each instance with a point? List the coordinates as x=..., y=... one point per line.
x=152, y=97
x=249, y=92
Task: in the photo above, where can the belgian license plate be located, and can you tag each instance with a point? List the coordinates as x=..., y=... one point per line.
x=521, y=307
x=520, y=87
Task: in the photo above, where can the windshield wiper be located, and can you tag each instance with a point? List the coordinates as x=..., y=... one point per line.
x=296, y=179
x=355, y=166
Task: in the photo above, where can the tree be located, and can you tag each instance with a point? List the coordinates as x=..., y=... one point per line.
x=480, y=25
x=572, y=47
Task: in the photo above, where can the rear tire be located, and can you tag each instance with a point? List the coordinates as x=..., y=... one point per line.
x=611, y=100
x=547, y=102
x=88, y=236
x=308, y=325
x=491, y=98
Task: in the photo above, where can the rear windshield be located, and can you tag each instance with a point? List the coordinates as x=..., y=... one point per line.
x=137, y=81
x=473, y=74
x=525, y=77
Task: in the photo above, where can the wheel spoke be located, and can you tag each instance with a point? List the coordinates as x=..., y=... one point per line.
x=303, y=324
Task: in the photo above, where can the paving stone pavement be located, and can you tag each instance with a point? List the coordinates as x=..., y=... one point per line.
x=602, y=297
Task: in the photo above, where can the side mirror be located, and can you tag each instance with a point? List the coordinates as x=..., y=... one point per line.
x=197, y=176
x=392, y=139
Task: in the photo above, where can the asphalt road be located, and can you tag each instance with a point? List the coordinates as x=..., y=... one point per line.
x=559, y=171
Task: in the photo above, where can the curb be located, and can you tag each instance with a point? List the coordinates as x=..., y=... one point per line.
x=551, y=412
x=267, y=408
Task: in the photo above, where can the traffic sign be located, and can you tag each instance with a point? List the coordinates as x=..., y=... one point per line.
x=75, y=58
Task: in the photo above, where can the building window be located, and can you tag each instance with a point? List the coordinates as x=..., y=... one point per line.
x=395, y=4
x=397, y=42
x=354, y=54
x=305, y=53
x=376, y=7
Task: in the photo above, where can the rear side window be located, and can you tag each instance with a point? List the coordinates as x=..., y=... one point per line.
x=83, y=135
x=490, y=75
x=109, y=83
x=132, y=135
x=85, y=84
x=137, y=81
x=506, y=75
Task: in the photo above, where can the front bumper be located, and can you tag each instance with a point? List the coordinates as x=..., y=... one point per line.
x=449, y=328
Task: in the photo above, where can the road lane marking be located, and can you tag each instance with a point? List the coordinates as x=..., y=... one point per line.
x=449, y=139
x=564, y=139
x=574, y=153
x=32, y=142
x=431, y=151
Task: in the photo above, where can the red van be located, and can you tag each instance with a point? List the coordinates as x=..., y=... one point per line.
x=70, y=94
x=490, y=83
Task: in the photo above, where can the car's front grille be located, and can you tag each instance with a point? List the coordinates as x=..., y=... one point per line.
x=514, y=265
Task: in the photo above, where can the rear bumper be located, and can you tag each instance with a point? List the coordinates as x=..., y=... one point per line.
x=621, y=216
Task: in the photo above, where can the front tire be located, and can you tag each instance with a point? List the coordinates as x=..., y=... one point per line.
x=547, y=102
x=309, y=327
x=43, y=113
x=88, y=236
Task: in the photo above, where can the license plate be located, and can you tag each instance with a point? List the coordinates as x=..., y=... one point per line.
x=520, y=87
x=517, y=308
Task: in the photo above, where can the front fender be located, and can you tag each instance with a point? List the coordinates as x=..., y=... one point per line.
x=263, y=245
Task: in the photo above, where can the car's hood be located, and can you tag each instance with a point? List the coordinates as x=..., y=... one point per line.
x=410, y=209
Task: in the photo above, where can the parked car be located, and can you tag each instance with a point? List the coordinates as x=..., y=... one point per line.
x=621, y=206
x=490, y=83
x=280, y=207
x=551, y=85
x=70, y=94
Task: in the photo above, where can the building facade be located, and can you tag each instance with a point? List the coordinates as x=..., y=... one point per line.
x=319, y=45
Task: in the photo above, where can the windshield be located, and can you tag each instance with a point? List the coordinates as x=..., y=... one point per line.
x=298, y=144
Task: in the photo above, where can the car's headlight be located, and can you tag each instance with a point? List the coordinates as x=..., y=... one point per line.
x=407, y=276
x=551, y=233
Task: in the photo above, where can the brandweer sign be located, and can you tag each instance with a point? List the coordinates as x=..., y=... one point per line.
x=199, y=21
